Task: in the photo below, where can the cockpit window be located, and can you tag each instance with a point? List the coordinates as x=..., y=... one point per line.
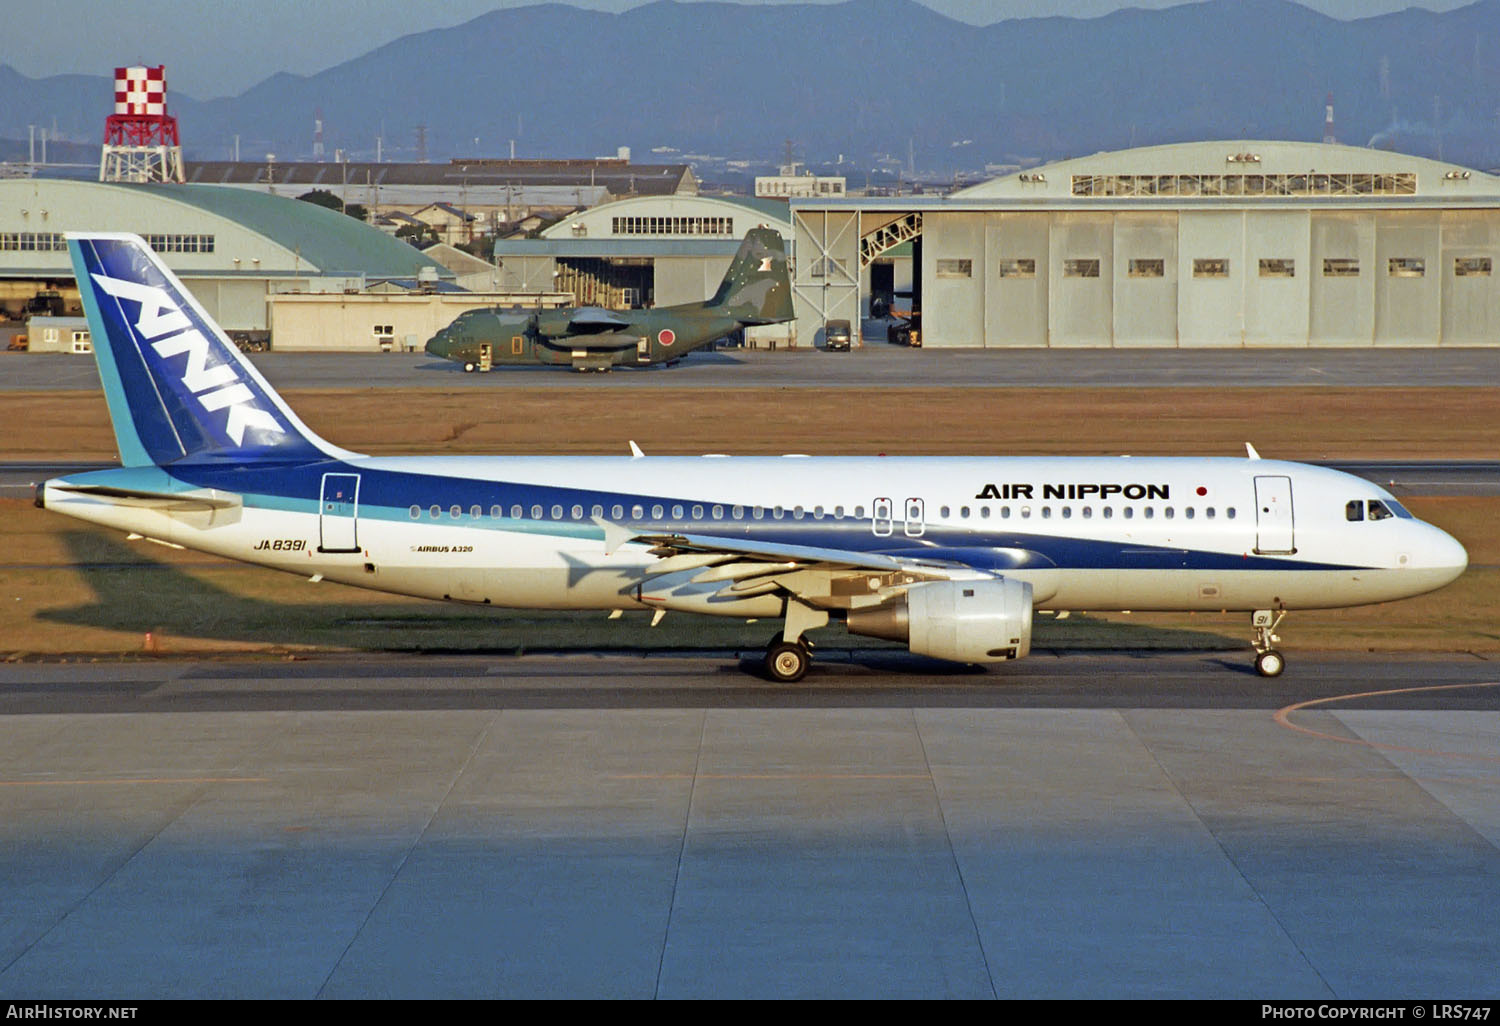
x=1375, y=509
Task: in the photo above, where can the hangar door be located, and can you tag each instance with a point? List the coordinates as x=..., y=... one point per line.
x=1016, y=274
x=1081, y=280
x=1145, y=270
x=1469, y=261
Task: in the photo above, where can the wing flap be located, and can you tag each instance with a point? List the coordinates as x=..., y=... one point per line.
x=758, y=552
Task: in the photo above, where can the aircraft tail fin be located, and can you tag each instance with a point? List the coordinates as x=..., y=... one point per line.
x=757, y=288
x=177, y=387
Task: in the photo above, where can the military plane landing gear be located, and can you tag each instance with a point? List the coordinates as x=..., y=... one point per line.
x=470, y=367
x=1268, y=661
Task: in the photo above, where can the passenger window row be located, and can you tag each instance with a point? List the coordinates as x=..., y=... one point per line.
x=1087, y=512
x=659, y=511
x=638, y=512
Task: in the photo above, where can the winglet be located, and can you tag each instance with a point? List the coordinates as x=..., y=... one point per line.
x=635, y=450
x=1250, y=452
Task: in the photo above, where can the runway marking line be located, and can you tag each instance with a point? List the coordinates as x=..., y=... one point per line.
x=135, y=780
x=1355, y=779
x=1283, y=717
x=769, y=776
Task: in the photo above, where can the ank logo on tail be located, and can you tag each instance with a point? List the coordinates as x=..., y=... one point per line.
x=161, y=322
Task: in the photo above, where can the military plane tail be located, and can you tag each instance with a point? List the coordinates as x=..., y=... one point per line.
x=757, y=288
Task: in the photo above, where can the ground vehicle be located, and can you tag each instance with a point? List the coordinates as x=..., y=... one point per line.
x=46, y=303
x=836, y=336
x=905, y=328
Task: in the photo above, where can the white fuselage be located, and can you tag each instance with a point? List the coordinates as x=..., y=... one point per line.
x=1106, y=533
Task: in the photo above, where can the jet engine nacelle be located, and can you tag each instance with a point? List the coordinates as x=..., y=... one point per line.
x=965, y=621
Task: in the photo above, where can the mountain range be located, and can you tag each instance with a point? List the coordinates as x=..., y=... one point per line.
x=859, y=80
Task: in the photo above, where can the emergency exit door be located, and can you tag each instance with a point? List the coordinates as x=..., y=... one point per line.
x=916, y=518
x=338, y=513
x=1274, y=527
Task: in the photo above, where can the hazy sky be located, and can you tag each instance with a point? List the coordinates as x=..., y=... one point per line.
x=219, y=48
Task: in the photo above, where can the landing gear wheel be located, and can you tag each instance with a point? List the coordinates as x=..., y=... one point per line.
x=1269, y=663
x=787, y=661
x=470, y=368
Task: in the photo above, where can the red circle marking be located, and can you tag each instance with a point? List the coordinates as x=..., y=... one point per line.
x=666, y=336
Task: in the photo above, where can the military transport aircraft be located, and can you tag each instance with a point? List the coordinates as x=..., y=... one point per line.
x=755, y=290
x=949, y=556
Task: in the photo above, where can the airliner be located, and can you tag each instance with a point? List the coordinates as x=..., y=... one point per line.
x=951, y=557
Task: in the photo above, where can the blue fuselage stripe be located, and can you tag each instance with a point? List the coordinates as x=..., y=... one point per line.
x=391, y=494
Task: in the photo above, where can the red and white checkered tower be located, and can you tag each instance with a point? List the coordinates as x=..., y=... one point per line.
x=140, y=137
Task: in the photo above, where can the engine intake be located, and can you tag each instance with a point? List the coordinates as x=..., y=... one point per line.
x=965, y=621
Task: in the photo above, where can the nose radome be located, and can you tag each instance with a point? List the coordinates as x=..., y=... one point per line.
x=1441, y=551
x=1451, y=553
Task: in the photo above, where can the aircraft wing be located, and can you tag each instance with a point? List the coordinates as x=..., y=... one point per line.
x=667, y=545
x=587, y=320
x=821, y=577
x=826, y=577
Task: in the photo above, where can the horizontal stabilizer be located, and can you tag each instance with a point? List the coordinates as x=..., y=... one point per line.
x=184, y=502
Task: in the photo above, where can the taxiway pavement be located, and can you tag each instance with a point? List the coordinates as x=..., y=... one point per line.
x=876, y=365
x=607, y=826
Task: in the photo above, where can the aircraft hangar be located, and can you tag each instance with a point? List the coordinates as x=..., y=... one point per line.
x=1239, y=243
x=233, y=248
x=641, y=251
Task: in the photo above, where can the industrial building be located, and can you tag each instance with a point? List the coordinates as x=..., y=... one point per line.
x=232, y=248
x=1240, y=243
x=482, y=195
x=647, y=250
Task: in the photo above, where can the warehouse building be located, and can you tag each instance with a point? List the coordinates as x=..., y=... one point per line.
x=484, y=195
x=643, y=251
x=1200, y=244
x=232, y=248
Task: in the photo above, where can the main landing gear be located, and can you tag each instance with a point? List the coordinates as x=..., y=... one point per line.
x=789, y=654
x=787, y=661
x=1268, y=661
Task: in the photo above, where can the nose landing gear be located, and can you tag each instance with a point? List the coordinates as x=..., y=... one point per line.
x=1268, y=661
